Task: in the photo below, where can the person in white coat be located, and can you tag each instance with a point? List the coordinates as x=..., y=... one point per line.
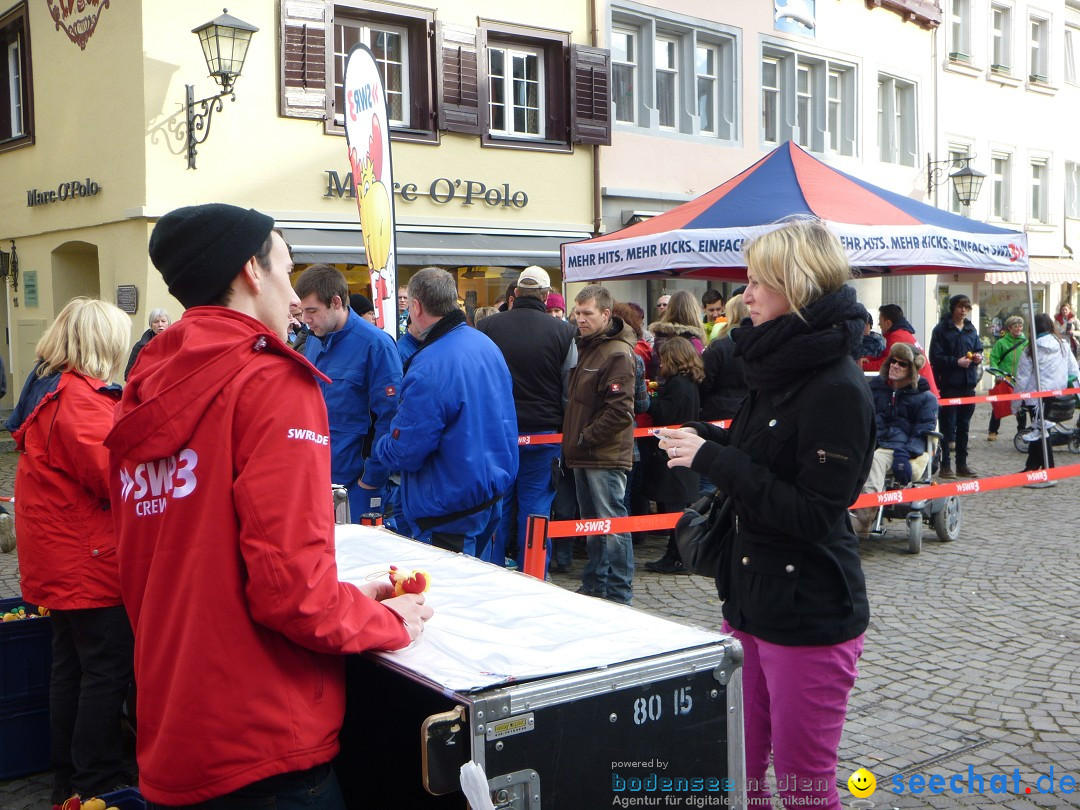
x=1057, y=369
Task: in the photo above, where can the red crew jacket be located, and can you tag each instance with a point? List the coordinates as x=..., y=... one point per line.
x=67, y=548
x=903, y=336
x=220, y=484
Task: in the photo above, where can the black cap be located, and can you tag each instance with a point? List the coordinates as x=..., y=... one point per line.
x=200, y=249
x=361, y=304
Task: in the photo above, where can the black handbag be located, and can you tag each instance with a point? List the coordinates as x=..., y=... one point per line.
x=1060, y=408
x=700, y=533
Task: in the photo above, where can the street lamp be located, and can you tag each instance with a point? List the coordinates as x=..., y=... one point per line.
x=224, y=43
x=967, y=182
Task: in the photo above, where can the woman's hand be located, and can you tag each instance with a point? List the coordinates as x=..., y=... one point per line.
x=681, y=445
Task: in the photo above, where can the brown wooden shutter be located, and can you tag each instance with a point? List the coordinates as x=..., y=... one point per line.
x=461, y=100
x=303, y=58
x=590, y=95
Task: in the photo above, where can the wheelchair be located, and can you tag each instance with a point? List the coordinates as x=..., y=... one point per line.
x=943, y=514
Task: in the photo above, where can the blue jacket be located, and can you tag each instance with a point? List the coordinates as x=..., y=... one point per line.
x=454, y=437
x=363, y=363
x=904, y=416
x=947, y=345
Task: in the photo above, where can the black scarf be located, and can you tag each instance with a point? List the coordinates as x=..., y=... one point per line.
x=441, y=327
x=785, y=349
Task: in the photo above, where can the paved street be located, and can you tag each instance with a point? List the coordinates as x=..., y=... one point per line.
x=971, y=658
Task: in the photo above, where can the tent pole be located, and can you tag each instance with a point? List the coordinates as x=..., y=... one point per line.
x=1032, y=335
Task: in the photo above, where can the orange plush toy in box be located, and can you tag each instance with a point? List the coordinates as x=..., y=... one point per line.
x=413, y=582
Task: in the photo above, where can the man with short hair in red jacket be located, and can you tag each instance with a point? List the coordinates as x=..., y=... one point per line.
x=896, y=329
x=220, y=490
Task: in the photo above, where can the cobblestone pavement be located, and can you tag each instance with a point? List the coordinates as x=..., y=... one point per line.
x=972, y=657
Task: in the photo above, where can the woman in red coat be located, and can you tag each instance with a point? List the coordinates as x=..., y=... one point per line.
x=67, y=548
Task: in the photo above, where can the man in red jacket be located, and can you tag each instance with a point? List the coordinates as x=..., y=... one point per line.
x=220, y=479
x=896, y=329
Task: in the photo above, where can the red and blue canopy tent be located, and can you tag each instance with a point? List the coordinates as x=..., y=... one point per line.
x=882, y=232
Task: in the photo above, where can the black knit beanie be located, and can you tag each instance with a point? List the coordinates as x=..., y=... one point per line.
x=200, y=249
x=361, y=304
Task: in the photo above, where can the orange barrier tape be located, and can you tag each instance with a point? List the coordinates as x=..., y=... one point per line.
x=667, y=520
x=639, y=433
x=1057, y=392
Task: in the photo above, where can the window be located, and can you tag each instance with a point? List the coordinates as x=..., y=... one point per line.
x=16, y=119
x=1040, y=32
x=390, y=46
x=671, y=77
x=516, y=91
x=897, y=125
x=1000, y=171
x=1072, y=190
x=666, y=65
x=624, y=74
x=820, y=95
x=1001, y=49
x=1039, y=191
x=957, y=154
x=1072, y=40
x=960, y=30
x=706, y=65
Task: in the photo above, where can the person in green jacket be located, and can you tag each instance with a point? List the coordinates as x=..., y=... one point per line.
x=1004, y=356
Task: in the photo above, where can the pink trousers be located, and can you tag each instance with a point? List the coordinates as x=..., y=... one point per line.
x=794, y=705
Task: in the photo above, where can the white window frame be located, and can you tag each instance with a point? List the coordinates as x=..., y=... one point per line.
x=710, y=79
x=960, y=30
x=1072, y=44
x=1039, y=210
x=898, y=126
x=1038, y=49
x=957, y=153
x=510, y=53
x=771, y=101
x=1072, y=189
x=365, y=30
x=630, y=64
x=14, y=61
x=805, y=112
x=1000, y=186
x=674, y=47
x=1001, y=53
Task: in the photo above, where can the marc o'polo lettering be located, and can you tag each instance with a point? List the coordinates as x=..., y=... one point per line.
x=69, y=190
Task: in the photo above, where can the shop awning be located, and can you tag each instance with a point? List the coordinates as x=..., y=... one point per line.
x=424, y=248
x=1043, y=271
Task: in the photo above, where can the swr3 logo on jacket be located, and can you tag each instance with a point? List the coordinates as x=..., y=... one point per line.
x=152, y=483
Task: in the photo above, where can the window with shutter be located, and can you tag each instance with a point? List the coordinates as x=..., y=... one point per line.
x=16, y=87
x=590, y=95
x=303, y=59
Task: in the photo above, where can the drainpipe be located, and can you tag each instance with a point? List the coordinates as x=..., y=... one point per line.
x=598, y=202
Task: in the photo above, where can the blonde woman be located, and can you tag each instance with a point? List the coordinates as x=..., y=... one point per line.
x=67, y=548
x=793, y=461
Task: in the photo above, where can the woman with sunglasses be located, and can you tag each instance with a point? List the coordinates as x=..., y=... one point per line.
x=906, y=411
x=793, y=461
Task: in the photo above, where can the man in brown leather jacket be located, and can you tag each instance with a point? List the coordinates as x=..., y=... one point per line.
x=598, y=436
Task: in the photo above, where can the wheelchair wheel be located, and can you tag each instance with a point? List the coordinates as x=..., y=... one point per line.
x=1074, y=442
x=1019, y=442
x=914, y=537
x=947, y=521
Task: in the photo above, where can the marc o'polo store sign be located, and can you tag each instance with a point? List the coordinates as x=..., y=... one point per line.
x=68, y=190
x=442, y=190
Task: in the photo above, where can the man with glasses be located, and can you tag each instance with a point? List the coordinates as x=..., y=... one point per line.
x=955, y=355
x=363, y=365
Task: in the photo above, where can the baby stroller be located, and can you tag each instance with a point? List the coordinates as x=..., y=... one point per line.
x=1056, y=411
x=943, y=514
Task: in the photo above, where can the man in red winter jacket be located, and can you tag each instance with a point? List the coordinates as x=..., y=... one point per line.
x=896, y=329
x=220, y=490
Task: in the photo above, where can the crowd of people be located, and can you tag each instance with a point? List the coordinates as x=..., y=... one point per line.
x=267, y=390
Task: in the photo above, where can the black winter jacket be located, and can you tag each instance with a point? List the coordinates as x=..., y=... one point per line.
x=675, y=404
x=138, y=347
x=724, y=386
x=535, y=347
x=947, y=345
x=904, y=416
x=793, y=462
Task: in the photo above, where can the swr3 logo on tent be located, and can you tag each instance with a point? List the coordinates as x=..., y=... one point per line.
x=154, y=482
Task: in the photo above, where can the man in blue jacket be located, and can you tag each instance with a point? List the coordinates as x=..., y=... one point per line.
x=955, y=355
x=454, y=437
x=362, y=361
